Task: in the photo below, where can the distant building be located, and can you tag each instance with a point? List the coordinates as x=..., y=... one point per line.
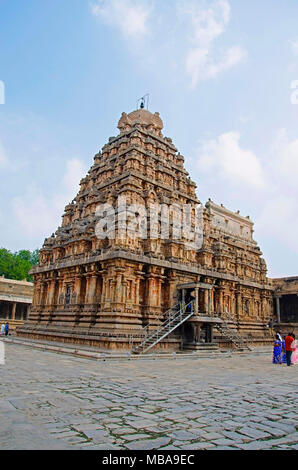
x=286, y=303
x=15, y=301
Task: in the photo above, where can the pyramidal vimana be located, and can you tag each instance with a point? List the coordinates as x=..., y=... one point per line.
x=106, y=284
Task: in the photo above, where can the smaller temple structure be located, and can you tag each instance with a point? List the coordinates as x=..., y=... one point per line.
x=15, y=301
x=286, y=304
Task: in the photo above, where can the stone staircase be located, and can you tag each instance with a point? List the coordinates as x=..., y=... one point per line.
x=174, y=318
x=231, y=335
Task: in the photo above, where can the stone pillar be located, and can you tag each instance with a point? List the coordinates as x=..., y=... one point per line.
x=93, y=286
x=211, y=333
x=124, y=290
x=220, y=301
x=26, y=312
x=104, y=289
x=265, y=305
x=13, y=311
x=212, y=299
x=153, y=298
x=77, y=300
x=159, y=282
x=41, y=294
x=238, y=305
x=51, y=292
x=277, y=297
x=197, y=332
x=88, y=282
x=209, y=302
x=60, y=291
x=137, y=300
x=87, y=316
x=118, y=288
x=172, y=300
x=206, y=300
x=36, y=295
x=152, y=294
x=77, y=289
x=197, y=301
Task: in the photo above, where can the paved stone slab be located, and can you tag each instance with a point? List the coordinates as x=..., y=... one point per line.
x=54, y=401
x=148, y=444
x=254, y=433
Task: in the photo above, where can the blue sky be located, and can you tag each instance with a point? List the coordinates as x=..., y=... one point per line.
x=219, y=72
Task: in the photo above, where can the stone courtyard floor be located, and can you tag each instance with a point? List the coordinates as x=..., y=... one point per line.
x=55, y=401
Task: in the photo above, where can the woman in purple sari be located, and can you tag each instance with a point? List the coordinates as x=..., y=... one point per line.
x=277, y=351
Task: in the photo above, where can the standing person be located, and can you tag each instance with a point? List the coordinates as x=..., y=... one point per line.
x=6, y=328
x=277, y=351
x=284, y=356
x=2, y=329
x=294, y=358
x=288, y=342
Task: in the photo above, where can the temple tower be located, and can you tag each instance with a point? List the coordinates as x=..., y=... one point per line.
x=130, y=238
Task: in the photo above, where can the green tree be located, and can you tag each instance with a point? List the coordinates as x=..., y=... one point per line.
x=24, y=255
x=35, y=257
x=17, y=265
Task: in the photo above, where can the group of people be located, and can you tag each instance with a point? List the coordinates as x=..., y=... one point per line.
x=4, y=329
x=285, y=350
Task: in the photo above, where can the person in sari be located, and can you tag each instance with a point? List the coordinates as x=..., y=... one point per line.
x=277, y=351
x=284, y=356
x=294, y=358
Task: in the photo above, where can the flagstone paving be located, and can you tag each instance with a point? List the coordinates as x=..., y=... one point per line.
x=55, y=401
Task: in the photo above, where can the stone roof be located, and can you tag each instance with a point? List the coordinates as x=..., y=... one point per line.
x=141, y=117
x=13, y=281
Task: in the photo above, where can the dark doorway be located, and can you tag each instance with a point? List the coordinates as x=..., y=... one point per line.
x=289, y=308
x=188, y=333
x=206, y=333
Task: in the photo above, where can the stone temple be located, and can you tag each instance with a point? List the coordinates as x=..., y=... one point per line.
x=113, y=292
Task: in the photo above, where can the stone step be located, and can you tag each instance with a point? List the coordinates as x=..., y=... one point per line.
x=201, y=347
x=100, y=355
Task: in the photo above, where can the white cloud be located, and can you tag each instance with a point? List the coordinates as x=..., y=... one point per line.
x=266, y=186
x=206, y=23
x=39, y=215
x=229, y=161
x=294, y=46
x=179, y=35
x=203, y=61
x=130, y=16
x=201, y=66
x=75, y=171
x=3, y=156
x=288, y=162
x=278, y=220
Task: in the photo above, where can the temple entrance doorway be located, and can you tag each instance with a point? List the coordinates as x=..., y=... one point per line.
x=186, y=297
x=188, y=333
x=206, y=335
